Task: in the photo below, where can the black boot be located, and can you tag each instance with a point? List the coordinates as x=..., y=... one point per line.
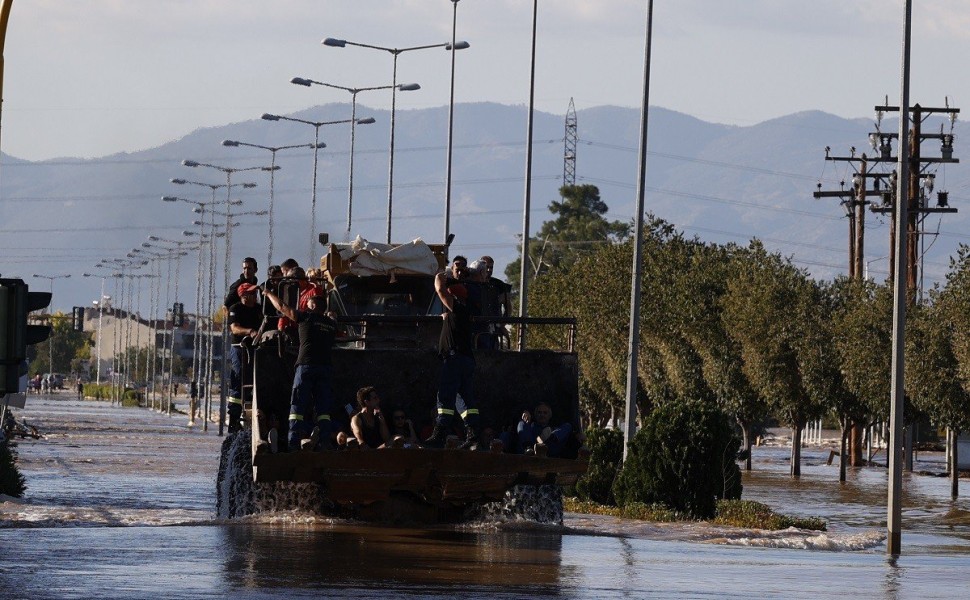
x=470, y=439
x=438, y=436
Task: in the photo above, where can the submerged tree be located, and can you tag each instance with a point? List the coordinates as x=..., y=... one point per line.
x=768, y=312
x=683, y=457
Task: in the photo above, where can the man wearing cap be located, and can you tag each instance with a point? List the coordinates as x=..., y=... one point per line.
x=458, y=363
x=245, y=318
x=312, y=392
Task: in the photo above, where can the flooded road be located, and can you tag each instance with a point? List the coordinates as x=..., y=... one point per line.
x=121, y=504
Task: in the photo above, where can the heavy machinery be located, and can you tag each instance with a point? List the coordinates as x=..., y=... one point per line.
x=384, y=299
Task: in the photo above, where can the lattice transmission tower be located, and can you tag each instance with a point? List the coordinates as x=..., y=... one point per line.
x=569, y=154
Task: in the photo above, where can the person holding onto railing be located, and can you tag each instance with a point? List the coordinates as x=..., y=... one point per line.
x=312, y=396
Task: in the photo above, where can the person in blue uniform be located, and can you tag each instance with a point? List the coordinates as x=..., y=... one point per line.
x=312, y=396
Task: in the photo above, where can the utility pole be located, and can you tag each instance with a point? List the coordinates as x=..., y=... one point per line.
x=920, y=184
x=885, y=185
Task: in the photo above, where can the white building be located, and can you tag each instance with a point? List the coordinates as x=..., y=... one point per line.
x=114, y=330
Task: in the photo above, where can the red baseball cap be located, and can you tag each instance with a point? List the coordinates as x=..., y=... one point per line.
x=247, y=288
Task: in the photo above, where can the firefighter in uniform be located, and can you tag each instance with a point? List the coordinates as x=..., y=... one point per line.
x=245, y=319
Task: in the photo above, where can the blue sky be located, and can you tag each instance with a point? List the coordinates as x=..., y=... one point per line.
x=89, y=78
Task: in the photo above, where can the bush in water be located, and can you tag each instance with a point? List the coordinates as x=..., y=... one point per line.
x=683, y=457
x=12, y=483
x=606, y=453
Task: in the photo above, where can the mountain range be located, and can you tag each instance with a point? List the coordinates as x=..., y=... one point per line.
x=718, y=182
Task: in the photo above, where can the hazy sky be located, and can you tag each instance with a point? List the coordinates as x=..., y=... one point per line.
x=92, y=77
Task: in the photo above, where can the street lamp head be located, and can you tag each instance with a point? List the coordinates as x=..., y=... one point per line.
x=235, y=202
x=169, y=198
x=188, y=233
x=408, y=87
x=248, y=186
x=270, y=117
x=334, y=42
x=366, y=121
x=178, y=181
x=273, y=168
x=190, y=163
x=318, y=145
x=301, y=81
x=153, y=238
x=458, y=45
x=230, y=143
x=198, y=210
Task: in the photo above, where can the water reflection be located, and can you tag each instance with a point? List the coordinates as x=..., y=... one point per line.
x=265, y=556
x=894, y=574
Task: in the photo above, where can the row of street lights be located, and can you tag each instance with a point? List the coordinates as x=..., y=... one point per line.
x=158, y=249
x=395, y=87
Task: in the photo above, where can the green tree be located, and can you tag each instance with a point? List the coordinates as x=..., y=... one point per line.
x=939, y=370
x=849, y=304
x=768, y=311
x=579, y=228
x=682, y=457
x=64, y=343
x=702, y=287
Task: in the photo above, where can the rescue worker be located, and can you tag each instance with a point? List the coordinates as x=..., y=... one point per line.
x=248, y=275
x=502, y=289
x=312, y=392
x=458, y=364
x=245, y=318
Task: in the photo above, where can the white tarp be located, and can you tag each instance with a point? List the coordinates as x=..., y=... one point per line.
x=370, y=258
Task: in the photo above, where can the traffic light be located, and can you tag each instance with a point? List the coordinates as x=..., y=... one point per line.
x=178, y=314
x=16, y=303
x=78, y=320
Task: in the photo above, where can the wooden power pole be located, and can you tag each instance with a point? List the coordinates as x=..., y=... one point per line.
x=879, y=169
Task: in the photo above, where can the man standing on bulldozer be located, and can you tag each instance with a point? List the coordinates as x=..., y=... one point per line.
x=458, y=364
x=312, y=384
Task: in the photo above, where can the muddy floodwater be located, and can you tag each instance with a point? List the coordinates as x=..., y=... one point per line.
x=121, y=504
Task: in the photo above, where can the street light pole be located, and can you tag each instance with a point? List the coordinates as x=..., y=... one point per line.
x=50, y=340
x=205, y=381
x=178, y=252
x=405, y=87
x=272, y=182
x=100, y=303
x=451, y=121
x=317, y=144
x=210, y=294
x=395, y=52
x=225, y=332
x=527, y=201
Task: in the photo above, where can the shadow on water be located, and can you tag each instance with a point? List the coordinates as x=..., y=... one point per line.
x=266, y=556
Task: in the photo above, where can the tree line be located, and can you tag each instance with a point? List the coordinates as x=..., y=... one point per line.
x=744, y=329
